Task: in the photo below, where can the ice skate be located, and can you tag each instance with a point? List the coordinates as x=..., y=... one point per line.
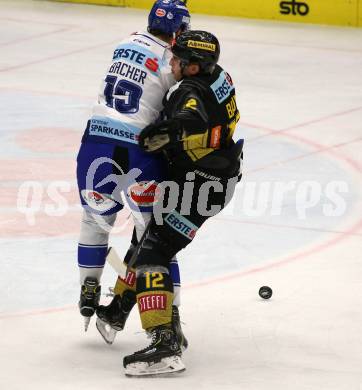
x=161, y=358
x=112, y=318
x=89, y=299
x=176, y=325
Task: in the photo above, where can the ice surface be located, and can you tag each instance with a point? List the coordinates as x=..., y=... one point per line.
x=299, y=90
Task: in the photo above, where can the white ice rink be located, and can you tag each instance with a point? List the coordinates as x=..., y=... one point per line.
x=299, y=91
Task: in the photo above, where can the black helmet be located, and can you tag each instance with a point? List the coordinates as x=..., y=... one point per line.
x=200, y=47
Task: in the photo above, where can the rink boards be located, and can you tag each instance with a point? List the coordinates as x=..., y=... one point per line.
x=336, y=12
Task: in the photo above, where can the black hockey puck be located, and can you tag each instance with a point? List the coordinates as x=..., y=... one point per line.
x=265, y=292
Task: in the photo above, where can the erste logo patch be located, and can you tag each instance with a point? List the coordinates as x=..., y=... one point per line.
x=152, y=64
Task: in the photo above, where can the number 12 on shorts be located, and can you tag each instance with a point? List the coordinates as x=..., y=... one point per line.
x=154, y=280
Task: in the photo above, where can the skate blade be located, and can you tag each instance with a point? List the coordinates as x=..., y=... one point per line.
x=106, y=331
x=86, y=323
x=166, y=367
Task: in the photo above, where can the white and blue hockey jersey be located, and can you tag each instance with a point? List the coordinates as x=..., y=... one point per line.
x=132, y=90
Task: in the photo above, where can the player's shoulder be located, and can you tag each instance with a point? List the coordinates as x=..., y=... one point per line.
x=219, y=75
x=149, y=45
x=219, y=78
x=195, y=85
x=148, y=42
x=182, y=90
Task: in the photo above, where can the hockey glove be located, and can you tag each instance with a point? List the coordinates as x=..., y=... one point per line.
x=159, y=136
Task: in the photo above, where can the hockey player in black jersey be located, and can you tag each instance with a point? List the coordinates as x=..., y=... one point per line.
x=195, y=134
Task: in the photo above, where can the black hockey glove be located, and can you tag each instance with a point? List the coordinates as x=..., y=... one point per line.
x=159, y=136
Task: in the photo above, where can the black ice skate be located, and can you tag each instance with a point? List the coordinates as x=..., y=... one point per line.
x=162, y=356
x=176, y=325
x=112, y=318
x=89, y=299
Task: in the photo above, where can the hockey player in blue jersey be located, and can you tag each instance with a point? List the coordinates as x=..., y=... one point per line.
x=112, y=171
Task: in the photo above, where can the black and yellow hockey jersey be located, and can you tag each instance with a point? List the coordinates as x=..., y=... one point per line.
x=205, y=106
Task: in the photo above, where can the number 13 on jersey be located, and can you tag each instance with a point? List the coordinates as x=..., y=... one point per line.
x=124, y=96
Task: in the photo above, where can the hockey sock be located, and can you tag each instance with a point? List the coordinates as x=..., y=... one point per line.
x=176, y=280
x=93, y=244
x=154, y=295
x=91, y=259
x=127, y=283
